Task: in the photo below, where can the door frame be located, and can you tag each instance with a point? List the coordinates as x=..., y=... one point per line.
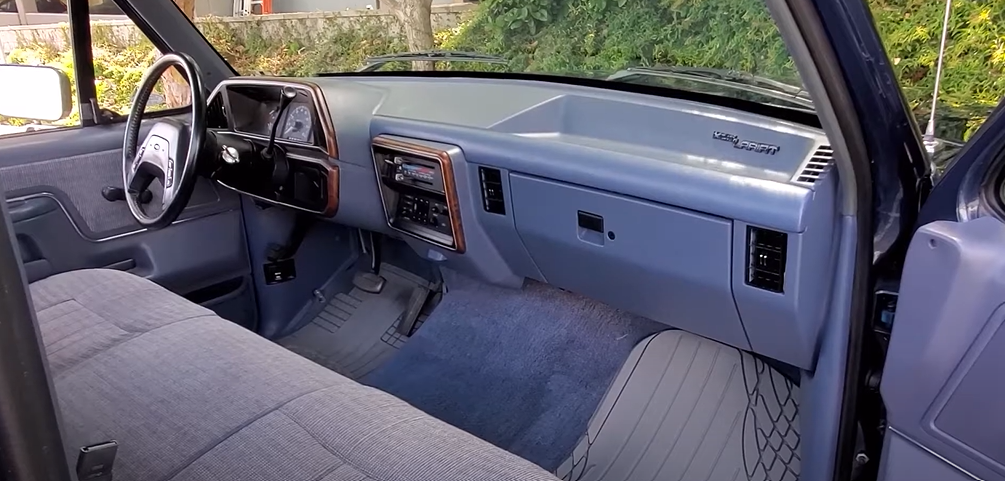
x=884, y=177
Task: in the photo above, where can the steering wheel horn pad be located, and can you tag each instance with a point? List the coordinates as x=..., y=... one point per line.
x=170, y=151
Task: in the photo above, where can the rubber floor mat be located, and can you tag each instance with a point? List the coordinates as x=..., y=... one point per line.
x=686, y=408
x=521, y=369
x=357, y=332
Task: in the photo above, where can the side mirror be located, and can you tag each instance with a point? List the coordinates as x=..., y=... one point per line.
x=34, y=92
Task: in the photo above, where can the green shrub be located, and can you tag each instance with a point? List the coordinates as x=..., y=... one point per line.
x=119, y=64
x=293, y=50
x=586, y=36
x=972, y=80
x=581, y=36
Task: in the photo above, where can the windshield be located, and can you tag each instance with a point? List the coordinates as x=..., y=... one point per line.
x=729, y=48
x=601, y=39
x=650, y=42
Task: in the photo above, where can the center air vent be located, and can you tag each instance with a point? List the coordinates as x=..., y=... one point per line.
x=492, y=193
x=817, y=165
x=766, y=259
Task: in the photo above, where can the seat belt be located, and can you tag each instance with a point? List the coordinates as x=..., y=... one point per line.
x=94, y=462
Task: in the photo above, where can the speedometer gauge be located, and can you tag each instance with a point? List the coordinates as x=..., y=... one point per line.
x=298, y=124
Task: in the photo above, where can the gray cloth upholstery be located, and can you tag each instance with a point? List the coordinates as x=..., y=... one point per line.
x=191, y=396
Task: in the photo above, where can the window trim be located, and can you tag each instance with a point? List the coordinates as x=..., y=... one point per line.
x=83, y=61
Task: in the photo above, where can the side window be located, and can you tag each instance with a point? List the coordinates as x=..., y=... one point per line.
x=27, y=102
x=39, y=35
x=121, y=54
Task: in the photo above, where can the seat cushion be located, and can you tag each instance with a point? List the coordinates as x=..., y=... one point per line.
x=191, y=396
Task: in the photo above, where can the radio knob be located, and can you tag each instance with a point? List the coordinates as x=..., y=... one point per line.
x=399, y=177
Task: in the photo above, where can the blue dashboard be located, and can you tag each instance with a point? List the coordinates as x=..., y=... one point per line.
x=709, y=219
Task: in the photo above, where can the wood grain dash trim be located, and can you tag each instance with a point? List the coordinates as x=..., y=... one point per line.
x=333, y=191
x=449, y=186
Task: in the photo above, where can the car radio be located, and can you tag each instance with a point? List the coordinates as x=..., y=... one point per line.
x=416, y=172
x=416, y=184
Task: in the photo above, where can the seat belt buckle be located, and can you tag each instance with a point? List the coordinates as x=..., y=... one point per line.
x=94, y=462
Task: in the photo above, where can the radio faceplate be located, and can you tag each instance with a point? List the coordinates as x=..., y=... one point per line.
x=416, y=172
x=417, y=190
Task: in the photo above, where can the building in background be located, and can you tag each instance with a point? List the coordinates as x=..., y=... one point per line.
x=42, y=12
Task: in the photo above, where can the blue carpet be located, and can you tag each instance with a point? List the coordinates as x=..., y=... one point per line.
x=521, y=369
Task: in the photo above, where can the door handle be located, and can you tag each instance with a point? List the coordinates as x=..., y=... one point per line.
x=114, y=194
x=590, y=221
x=590, y=228
x=22, y=210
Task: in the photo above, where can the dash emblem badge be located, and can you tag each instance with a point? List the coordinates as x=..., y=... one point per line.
x=760, y=148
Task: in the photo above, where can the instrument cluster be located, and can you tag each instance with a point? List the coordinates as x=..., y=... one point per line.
x=295, y=124
x=256, y=110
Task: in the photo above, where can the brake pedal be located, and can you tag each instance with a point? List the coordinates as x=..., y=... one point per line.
x=369, y=282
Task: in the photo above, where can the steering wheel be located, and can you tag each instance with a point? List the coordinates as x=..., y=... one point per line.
x=170, y=151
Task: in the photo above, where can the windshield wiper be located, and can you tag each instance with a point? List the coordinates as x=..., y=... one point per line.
x=747, y=82
x=374, y=63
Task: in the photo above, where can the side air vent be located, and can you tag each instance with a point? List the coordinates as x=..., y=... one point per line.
x=216, y=117
x=818, y=164
x=492, y=192
x=766, y=259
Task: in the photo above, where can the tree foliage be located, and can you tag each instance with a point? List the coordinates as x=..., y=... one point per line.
x=294, y=49
x=604, y=35
x=972, y=80
x=119, y=65
x=596, y=37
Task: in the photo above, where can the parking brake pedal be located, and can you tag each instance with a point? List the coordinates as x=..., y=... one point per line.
x=280, y=266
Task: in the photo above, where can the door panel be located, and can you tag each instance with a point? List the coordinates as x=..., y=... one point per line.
x=53, y=182
x=76, y=183
x=943, y=380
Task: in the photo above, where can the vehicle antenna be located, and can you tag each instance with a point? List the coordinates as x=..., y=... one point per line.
x=929, y=139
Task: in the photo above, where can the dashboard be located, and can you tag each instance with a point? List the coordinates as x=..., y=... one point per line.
x=703, y=217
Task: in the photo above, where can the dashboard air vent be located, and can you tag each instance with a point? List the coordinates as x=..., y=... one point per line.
x=492, y=192
x=766, y=259
x=216, y=117
x=818, y=164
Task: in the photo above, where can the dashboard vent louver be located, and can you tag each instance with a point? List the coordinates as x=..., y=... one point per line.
x=818, y=164
x=492, y=193
x=216, y=117
x=766, y=259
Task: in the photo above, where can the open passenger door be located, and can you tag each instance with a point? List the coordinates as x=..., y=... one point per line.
x=944, y=378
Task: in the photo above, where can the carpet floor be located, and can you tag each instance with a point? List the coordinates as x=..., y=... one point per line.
x=521, y=369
